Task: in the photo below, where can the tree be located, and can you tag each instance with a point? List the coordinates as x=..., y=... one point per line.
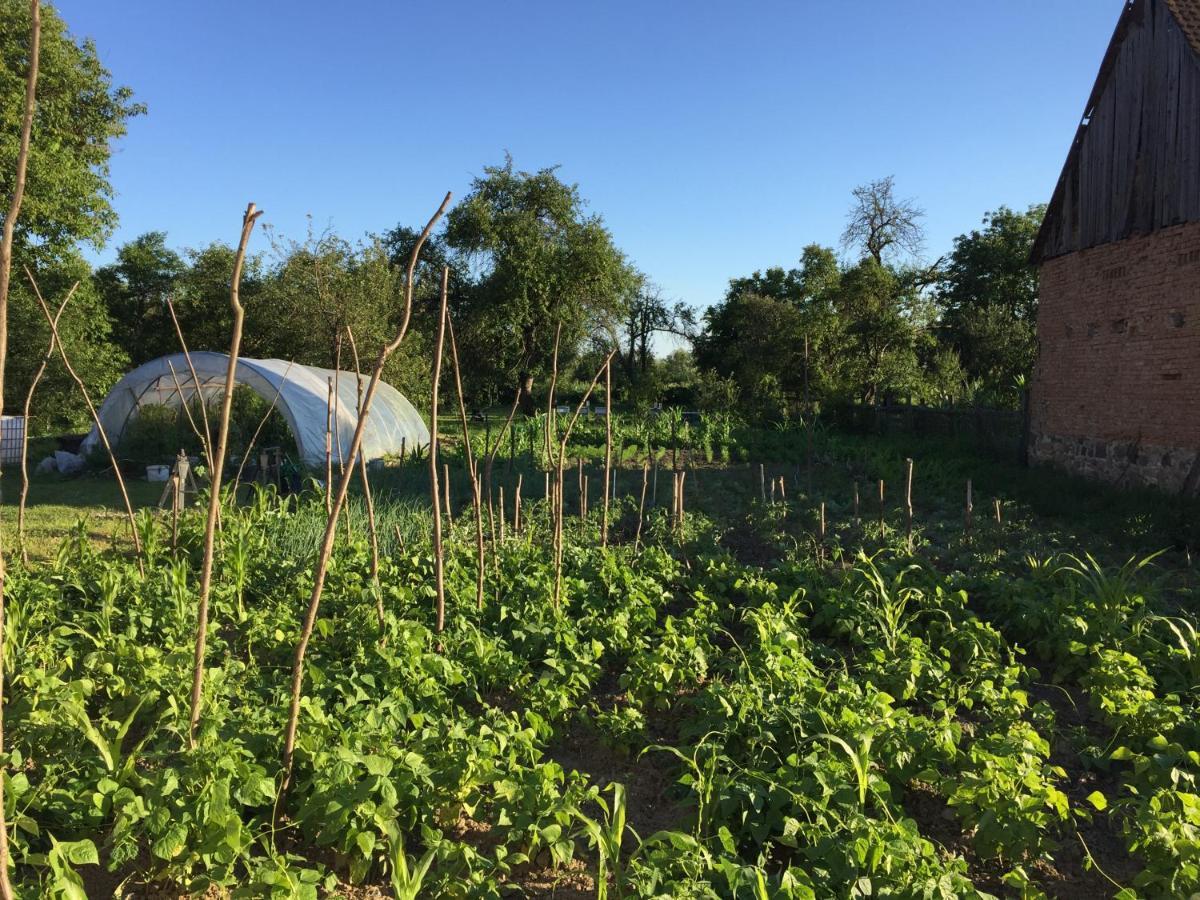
x=135, y=290
x=988, y=295
x=758, y=342
x=879, y=223
x=85, y=331
x=544, y=261
x=884, y=317
x=79, y=115
x=649, y=314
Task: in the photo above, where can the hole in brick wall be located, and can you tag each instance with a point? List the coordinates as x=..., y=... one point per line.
x=1172, y=376
x=1093, y=327
x=1113, y=273
x=1120, y=325
x=1189, y=258
x=1177, y=318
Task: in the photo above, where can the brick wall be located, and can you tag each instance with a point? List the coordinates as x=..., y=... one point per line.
x=1116, y=389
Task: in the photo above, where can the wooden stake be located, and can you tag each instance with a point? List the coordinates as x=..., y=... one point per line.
x=857, y=518
x=321, y=570
x=25, y=410
x=637, y=538
x=329, y=447
x=517, y=506
x=214, y=498
x=762, y=481
x=998, y=520
x=562, y=456
x=206, y=439
x=87, y=399
x=908, y=507
x=821, y=534
x=472, y=468
x=439, y=559
x=6, y=245
x=446, y=491
x=607, y=453
x=372, y=534
x=501, y=511
x=970, y=508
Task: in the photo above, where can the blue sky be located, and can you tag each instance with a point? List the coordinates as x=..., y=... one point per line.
x=715, y=138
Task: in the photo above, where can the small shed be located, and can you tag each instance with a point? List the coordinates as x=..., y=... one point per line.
x=300, y=393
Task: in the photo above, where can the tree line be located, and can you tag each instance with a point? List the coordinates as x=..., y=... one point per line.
x=525, y=255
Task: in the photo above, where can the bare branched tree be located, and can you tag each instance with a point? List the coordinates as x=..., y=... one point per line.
x=879, y=223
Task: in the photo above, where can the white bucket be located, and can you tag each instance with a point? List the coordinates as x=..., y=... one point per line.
x=158, y=473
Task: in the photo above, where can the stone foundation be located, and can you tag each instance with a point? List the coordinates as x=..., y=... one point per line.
x=1122, y=463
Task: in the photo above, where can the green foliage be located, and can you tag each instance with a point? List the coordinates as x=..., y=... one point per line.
x=545, y=261
x=79, y=114
x=988, y=297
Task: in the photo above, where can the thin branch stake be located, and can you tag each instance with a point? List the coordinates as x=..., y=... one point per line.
x=25, y=410
x=6, y=245
x=321, y=569
x=218, y=465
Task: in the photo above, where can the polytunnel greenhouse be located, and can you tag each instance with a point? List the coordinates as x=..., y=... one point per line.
x=300, y=393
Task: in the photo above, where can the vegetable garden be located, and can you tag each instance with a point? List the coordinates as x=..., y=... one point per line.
x=724, y=703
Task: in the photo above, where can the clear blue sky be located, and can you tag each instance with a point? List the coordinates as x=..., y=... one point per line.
x=714, y=137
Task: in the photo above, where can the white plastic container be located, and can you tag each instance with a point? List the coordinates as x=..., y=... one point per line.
x=158, y=473
x=12, y=435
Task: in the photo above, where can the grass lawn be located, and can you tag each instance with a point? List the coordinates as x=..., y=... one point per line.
x=55, y=506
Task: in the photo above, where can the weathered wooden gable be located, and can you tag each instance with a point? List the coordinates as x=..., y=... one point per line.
x=1135, y=164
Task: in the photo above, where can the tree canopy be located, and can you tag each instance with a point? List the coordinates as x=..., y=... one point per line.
x=79, y=113
x=543, y=260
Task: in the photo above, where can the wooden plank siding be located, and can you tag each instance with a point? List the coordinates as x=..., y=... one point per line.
x=1135, y=165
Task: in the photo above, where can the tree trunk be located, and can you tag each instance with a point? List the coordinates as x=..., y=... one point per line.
x=525, y=389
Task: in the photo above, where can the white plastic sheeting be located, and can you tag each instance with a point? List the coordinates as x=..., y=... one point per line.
x=392, y=422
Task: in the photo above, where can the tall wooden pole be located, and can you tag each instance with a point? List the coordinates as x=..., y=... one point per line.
x=6, y=245
x=439, y=560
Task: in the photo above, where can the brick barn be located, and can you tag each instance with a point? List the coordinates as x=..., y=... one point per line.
x=1116, y=389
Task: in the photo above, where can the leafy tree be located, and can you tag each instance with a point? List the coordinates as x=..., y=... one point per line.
x=79, y=115
x=544, y=261
x=755, y=341
x=318, y=288
x=135, y=289
x=885, y=319
x=988, y=295
x=85, y=331
x=201, y=298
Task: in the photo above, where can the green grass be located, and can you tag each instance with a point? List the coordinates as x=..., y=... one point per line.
x=55, y=506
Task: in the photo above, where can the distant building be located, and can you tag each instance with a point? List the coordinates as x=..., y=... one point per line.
x=1116, y=389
